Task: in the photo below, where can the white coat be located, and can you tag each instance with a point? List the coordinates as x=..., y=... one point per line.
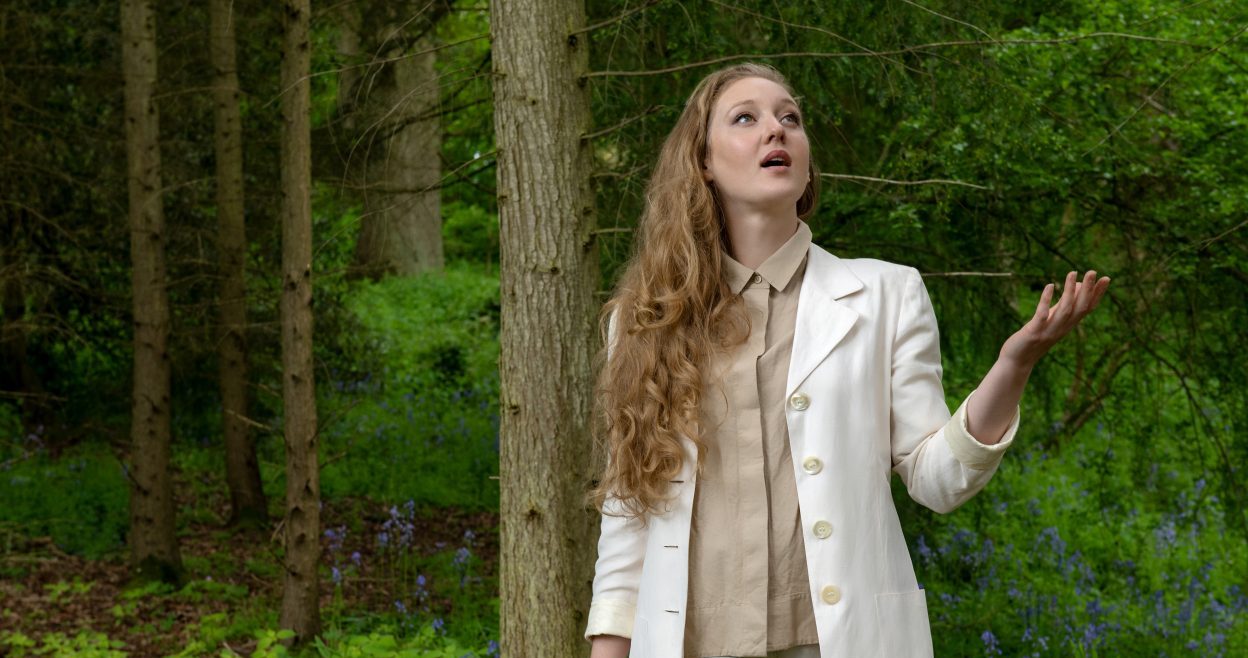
x=865, y=400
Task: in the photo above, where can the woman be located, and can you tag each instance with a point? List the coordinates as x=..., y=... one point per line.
x=757, y=394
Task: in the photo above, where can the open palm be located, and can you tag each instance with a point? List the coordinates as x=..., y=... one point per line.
x=1050, y=324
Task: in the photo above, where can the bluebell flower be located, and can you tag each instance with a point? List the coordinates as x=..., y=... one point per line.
x=439, y=626
x=924, y=550
x=1166, y=535
x=491, y=649
x=990, y=644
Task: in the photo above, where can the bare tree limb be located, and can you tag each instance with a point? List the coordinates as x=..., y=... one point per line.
x=984, y=274
x=899, y=51
x=928, y=181
x=610, y=21
x=1159, y=87
x=650, y=110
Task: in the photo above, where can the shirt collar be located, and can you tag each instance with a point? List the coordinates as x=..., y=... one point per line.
x=778, y=269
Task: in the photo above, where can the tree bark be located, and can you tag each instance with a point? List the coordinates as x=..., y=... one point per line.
x=391, y=117
x=548, y=274
x=242, y=470
x=153, y=545
x=300, y=611
x=401, y=228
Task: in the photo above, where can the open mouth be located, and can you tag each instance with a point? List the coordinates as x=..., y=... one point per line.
x=777, y=159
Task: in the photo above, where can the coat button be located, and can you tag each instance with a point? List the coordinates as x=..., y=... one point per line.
x=823, y=529
x=812, y=465
x=800, y=401
x=831, y=594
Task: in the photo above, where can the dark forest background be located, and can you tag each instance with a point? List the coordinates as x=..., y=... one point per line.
x=993, y=145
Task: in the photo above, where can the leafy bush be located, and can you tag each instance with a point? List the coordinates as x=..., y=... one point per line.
x=81, y=500
x=1051, y=561
x=416, y=415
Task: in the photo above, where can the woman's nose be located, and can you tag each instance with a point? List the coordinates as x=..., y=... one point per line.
x=775, y=130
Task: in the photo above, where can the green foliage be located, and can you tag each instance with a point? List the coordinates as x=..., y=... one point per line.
x=469, y=233
x=84, y=644
x=1110, y=546
x=80, y=500
x=10, y=429
x=416, y=415
x=427, y=642
x=61, y=590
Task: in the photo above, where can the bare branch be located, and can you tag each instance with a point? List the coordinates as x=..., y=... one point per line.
x=950, y=18
x=590, y=28
x=820, y=30
x=984, y=274
x=478, y=37
x=899, y=51
x=1170, y=77
x=928, y=181
x=650, y=110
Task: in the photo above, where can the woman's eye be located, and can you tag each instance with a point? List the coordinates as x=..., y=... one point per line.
x=796, y=119
x=740, y=116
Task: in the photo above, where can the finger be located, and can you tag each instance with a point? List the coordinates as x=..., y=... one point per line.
x=1042, y=308
x=1102, y=287
x=1063, y=302
x=1085, y=294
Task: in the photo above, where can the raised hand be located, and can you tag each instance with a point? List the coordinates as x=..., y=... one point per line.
x=993, y=407
x=1049, y=325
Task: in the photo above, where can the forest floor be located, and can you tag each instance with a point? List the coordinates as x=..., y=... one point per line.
x=236, y=576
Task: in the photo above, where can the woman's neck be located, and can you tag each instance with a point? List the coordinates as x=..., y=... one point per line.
x=756, y=236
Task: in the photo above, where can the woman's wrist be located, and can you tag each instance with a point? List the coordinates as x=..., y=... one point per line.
x=610, y=646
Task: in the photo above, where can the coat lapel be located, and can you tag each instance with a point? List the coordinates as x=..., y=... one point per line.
x=821, y=320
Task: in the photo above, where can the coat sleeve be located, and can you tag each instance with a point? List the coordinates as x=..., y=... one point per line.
x=617, y=573
x=941, y=464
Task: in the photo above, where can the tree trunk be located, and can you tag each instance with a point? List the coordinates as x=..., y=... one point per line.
x=300, y=611
x=242, y=470
x=401, y=228
x=153, y=545
x=549, y=271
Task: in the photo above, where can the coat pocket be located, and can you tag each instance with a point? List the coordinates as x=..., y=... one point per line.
x=903, y=624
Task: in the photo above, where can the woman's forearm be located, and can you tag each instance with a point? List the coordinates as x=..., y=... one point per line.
x=989, y=412
x=610, y=646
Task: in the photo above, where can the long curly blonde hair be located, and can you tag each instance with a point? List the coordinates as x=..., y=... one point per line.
x=671, y=307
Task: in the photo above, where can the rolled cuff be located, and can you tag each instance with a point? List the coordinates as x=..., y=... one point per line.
x=968, y=449
x=611, y=617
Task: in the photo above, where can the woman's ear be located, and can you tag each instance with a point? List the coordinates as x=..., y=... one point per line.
x=706, y=174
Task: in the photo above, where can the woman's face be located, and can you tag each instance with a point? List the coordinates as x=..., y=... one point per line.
x=757, y=152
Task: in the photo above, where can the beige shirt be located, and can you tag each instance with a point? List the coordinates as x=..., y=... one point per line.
x=748, y=588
